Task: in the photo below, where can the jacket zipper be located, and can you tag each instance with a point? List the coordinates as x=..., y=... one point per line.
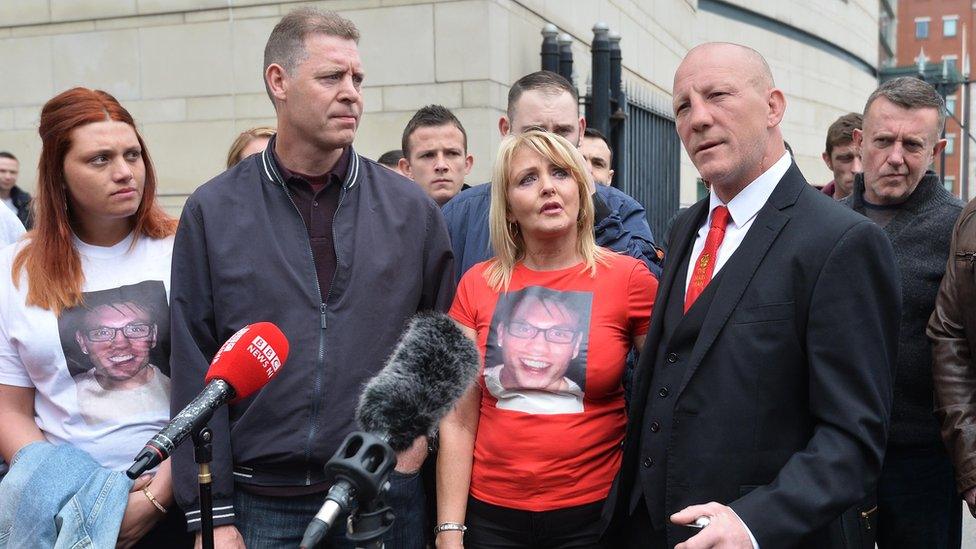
x=317, y=385
x=335, y=215
x=322, y=311
x=866, y=517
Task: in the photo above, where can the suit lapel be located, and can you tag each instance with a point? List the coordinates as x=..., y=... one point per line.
x=684, y=236
x=738, y=272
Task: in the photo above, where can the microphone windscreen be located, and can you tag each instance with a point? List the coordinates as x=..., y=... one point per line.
x=250, y=358
x=430, y=368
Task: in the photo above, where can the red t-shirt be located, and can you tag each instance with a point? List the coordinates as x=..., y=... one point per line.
x=552, y=407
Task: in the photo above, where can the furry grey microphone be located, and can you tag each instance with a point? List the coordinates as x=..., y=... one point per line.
x=430, y=368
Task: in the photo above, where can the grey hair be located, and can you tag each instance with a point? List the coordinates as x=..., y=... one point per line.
x=910, y=93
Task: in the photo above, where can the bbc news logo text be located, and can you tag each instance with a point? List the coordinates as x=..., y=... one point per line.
x=266, y=355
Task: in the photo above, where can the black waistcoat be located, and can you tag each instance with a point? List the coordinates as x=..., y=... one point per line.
x=680, y=331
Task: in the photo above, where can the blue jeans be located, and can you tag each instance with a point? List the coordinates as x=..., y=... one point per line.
x=272, y=522
x=918, y=504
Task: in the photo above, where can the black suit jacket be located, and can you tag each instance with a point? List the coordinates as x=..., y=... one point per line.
x=783, y=401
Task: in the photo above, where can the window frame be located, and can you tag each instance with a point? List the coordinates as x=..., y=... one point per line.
x=955, y=27
x=954, y=61
x=927, y=21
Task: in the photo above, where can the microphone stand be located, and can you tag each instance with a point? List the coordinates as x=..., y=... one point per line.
x=359, y=470
x=203, y=454
x=368, y=524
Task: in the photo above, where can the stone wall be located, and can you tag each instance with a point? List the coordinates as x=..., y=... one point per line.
x=190, y=71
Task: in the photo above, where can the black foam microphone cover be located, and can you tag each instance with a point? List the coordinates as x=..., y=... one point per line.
x=430, y=368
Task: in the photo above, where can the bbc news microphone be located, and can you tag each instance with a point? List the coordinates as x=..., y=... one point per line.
x=430, y=368
x=245, y=363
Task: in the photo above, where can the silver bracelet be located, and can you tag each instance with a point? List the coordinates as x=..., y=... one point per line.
x=450, y=527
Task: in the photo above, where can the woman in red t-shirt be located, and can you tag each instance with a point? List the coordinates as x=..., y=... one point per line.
x=528, y=454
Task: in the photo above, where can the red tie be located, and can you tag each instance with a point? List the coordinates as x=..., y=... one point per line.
x=705, y=265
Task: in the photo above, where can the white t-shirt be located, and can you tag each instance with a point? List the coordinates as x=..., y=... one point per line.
x=98, y=405
x=10, y=227
x=119, y=338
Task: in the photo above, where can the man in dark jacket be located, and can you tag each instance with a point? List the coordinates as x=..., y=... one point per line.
x=11, y=195
x=336, y=250
x=952, y=329
x=762, y=397
x=917, y=501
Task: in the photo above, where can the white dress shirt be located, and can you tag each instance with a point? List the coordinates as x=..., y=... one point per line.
x=743, y=209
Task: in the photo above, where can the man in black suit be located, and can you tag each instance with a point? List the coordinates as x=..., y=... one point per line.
x=762, y=397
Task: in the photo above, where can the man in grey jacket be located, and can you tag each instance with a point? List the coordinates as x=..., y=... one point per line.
x=917, y=501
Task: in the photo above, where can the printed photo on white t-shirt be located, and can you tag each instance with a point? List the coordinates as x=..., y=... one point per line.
x=116, y=345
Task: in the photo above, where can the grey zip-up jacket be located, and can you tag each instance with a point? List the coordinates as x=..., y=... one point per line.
x=242, y=255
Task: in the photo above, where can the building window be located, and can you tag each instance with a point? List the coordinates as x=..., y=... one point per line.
x=950, y=144
x=951, y=61
x=701, y=190
x=951, y=104
x=922, y=27
x=949, y=182
x=949, y=23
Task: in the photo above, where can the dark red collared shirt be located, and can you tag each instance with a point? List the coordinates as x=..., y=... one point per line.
x=317, y=198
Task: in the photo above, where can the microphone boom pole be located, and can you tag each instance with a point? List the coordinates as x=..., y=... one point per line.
x=187, y=423
x=203, y=454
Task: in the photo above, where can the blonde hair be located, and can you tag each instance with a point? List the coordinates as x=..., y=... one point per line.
x=244, y=139
x=506, y=239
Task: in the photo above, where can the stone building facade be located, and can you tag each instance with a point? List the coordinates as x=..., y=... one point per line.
x=190, y=70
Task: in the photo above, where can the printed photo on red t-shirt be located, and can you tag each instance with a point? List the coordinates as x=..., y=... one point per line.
x=535, y=360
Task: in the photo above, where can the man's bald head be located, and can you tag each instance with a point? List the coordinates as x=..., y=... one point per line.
x=758, y=71
x=727, y=113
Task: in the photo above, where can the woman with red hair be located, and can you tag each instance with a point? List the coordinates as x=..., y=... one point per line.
x=84, y=322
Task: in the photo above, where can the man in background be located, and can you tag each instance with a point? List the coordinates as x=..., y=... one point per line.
x=918, y=506
x=435, y=153
x=596, y=150
x=391, y=159
x=546, y=100
x=952, y=329
x=841, y=156
x=15, y=198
